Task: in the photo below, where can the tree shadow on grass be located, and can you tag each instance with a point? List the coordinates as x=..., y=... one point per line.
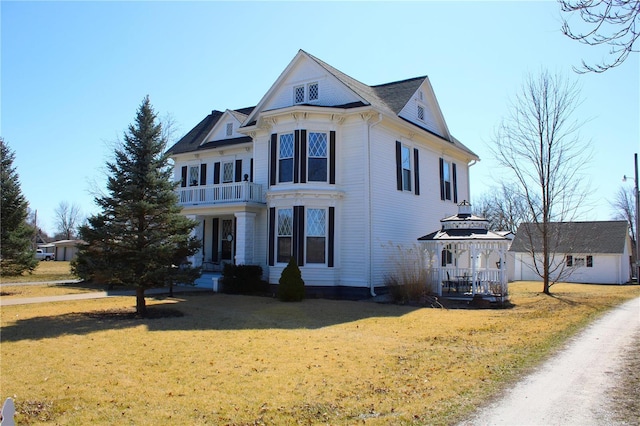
x=205, y=311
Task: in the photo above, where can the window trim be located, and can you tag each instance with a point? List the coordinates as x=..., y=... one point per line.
x=325, y=236
x=232, y=173
x=308, y=159
x=278, y=235
x=280, y=159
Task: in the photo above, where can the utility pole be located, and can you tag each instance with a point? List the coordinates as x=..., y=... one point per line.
x=636, y=193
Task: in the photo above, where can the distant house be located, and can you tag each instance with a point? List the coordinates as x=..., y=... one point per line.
x=66, y=249
x=325, y=169
x=584, y=252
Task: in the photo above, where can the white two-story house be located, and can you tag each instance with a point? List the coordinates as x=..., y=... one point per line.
x=326, y=169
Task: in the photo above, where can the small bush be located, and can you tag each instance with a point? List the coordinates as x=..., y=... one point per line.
x=291, y=285
x=243, y=279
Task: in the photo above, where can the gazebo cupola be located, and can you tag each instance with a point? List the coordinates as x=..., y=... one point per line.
x=465, y=258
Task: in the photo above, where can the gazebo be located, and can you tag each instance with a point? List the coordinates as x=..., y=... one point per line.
x=465, y=259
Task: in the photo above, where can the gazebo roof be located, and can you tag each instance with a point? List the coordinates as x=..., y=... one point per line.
x=463, y=234
x=464, y=226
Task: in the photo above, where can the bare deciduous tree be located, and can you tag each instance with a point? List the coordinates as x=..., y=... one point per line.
x=608, y=22
x=624, y=207
x=504, y=207
x=538, y=143
x=68, y=217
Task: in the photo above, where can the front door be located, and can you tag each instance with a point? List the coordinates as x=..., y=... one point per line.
x=227, y=240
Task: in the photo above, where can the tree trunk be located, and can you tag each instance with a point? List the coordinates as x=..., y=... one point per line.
x=141, y=304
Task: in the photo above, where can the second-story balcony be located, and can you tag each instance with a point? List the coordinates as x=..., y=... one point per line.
x=235, y=192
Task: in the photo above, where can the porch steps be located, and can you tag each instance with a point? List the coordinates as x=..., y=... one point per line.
x=209, y=280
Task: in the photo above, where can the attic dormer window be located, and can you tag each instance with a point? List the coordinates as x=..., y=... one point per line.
x=305, y=93
x=229, y=129
x=313, y=91
x=298, y=94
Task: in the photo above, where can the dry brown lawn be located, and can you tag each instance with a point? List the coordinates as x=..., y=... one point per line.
x=251, y=360
x=45, y=271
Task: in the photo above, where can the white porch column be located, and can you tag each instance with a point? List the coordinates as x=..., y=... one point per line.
x=503, y=269
x=440, y=276
x=474, y=272
x=196, y=259
x=245, y=234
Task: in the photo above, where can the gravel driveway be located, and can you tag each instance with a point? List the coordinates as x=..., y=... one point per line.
x=594, y=380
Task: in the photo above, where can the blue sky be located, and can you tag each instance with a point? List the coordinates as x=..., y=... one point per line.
x=74, y=73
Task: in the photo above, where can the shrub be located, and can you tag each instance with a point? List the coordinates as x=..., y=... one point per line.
x=291, y=285
x=408, y=281
x=243, y=279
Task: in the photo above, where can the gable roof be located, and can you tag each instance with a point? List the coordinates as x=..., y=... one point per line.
x=388, y=98
x=605, y=237
x=193, y=140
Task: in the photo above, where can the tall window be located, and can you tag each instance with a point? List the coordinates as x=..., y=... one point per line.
x=316, y=234
x=589, y=261
x=285, y=234
x=446, y=175
x=194, y=175
x=285, y=158
x=317, y=168
x=229, y=129
x=406, y=168
x=227, y=172
x=420, y=112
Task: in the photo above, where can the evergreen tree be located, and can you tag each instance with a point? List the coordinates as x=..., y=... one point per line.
x=139, y=238
x=16, y=243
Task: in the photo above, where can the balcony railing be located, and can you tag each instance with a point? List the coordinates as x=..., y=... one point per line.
x=237, y=192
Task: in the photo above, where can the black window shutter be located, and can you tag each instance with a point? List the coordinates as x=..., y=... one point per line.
x=298, y=234
x=272, y=235
x=215, y=239
x=203, y=174
x=238, y=170
x=442, y=191
x=332, y=157
x=398, y=166
x=303, y=156
x=416, y=173
x=273, y=159
x=216, y=173
x=455, y=183
x=296, y=156
x=332, y=226
x=183, y=182
x=251, y=171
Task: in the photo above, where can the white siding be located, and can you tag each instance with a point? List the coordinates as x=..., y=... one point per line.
x=352, y=223
x=400, y=217
x=607, y=269
x=219, y=132
x=432, y=119
x=331, y=92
